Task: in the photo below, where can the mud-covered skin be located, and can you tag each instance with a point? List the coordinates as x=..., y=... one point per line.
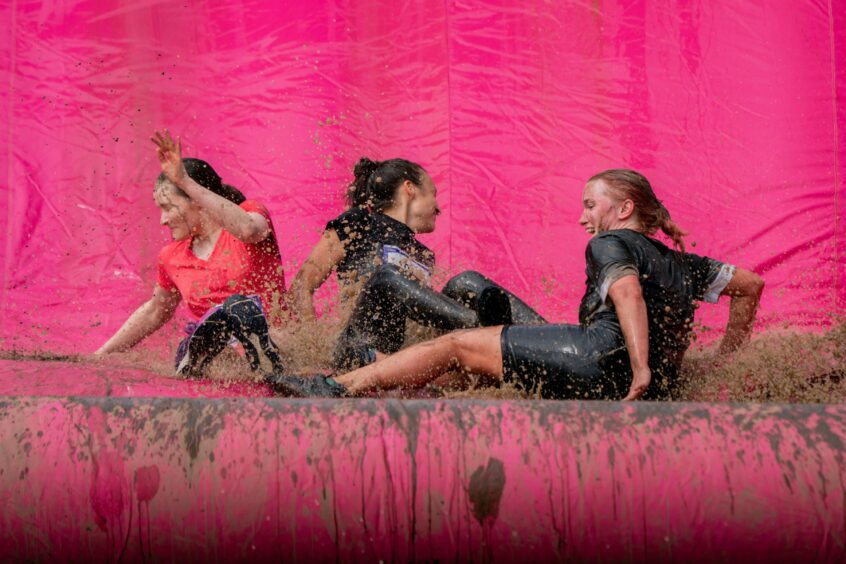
x=589, y=360
x=396, y=267
x=389, y=298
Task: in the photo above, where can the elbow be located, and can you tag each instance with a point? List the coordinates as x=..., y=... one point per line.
x=161, y=311
x=304, y=284
x=745, y=284
x=166, y=315
x=253, y=233
x=252, y=228
x=756, y=287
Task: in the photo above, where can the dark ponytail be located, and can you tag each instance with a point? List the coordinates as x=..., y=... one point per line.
x=376, y=182
x=357, y=191
x=203, y=174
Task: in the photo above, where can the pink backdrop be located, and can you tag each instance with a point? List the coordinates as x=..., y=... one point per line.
x=731, y=109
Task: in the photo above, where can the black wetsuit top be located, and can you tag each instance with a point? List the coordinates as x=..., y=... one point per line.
x=590, y=360
x=397, y=269
x=671, y=281
x=371, y=239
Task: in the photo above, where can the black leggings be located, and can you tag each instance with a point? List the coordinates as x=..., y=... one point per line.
x=582, y=362
x=389, y=298
x=567, y=361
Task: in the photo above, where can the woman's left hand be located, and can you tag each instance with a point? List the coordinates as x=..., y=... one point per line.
x=170, y=156
x=640, y=381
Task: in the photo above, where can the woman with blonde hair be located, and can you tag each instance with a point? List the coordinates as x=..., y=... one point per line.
x=635, y=319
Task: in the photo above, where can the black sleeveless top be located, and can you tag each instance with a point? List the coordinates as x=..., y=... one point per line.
x=372, y=238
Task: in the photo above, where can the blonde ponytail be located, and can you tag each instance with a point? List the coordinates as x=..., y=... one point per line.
x=651, y=213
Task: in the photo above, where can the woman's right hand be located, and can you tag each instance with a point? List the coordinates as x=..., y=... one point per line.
x=170, y=156
x=152, y=314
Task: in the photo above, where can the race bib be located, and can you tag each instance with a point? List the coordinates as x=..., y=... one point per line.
x=408, y=266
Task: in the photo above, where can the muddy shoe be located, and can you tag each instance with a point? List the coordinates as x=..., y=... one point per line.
x=318, y=386
x=348, y=356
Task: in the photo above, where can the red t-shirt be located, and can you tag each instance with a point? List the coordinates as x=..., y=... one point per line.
x=234, y=267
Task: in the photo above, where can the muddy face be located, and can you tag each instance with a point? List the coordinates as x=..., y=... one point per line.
x=178, y=213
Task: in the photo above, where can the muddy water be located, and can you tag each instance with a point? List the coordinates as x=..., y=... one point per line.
x=777, y=366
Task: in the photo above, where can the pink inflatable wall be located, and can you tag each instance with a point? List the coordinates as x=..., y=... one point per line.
x=731, y=109
x=140, y=479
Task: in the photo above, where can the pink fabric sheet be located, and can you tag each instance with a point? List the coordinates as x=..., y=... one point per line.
x=731, y=109
x=106, y=479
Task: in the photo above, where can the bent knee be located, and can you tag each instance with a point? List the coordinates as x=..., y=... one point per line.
x=475, y=349
x=458, y=340
x=467, y=281
x=467, y=276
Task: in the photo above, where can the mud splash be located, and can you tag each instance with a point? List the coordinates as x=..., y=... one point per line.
x=777, y=366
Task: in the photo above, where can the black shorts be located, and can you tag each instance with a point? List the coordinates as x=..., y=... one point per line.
x=567, y=361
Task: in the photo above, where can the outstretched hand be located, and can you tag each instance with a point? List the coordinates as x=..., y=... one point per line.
x=170, y=156
x=640, y=381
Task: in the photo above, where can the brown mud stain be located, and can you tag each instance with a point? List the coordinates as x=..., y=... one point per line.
x=486, y=486
x=485, y=492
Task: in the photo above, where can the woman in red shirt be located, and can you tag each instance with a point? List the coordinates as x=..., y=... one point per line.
x=224, y=262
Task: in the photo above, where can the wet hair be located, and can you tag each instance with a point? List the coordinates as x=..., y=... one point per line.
x=376, y=182
x=203, y=174
x=629, y=184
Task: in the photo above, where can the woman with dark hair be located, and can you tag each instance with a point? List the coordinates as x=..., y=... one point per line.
x=636, y=316
x=224, y=262
x=389, y=203
x=374, y=244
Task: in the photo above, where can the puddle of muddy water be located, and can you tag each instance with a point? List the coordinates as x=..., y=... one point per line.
x=777, y=366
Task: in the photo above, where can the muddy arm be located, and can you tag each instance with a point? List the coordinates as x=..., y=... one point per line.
x=745, y=290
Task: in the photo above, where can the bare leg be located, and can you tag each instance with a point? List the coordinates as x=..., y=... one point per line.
x=474, y=350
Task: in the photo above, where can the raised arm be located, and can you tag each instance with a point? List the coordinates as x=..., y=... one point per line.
x=143, y=322
x=328, y=252
x=249, y=227
x=628, y=300
x=745, y=290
